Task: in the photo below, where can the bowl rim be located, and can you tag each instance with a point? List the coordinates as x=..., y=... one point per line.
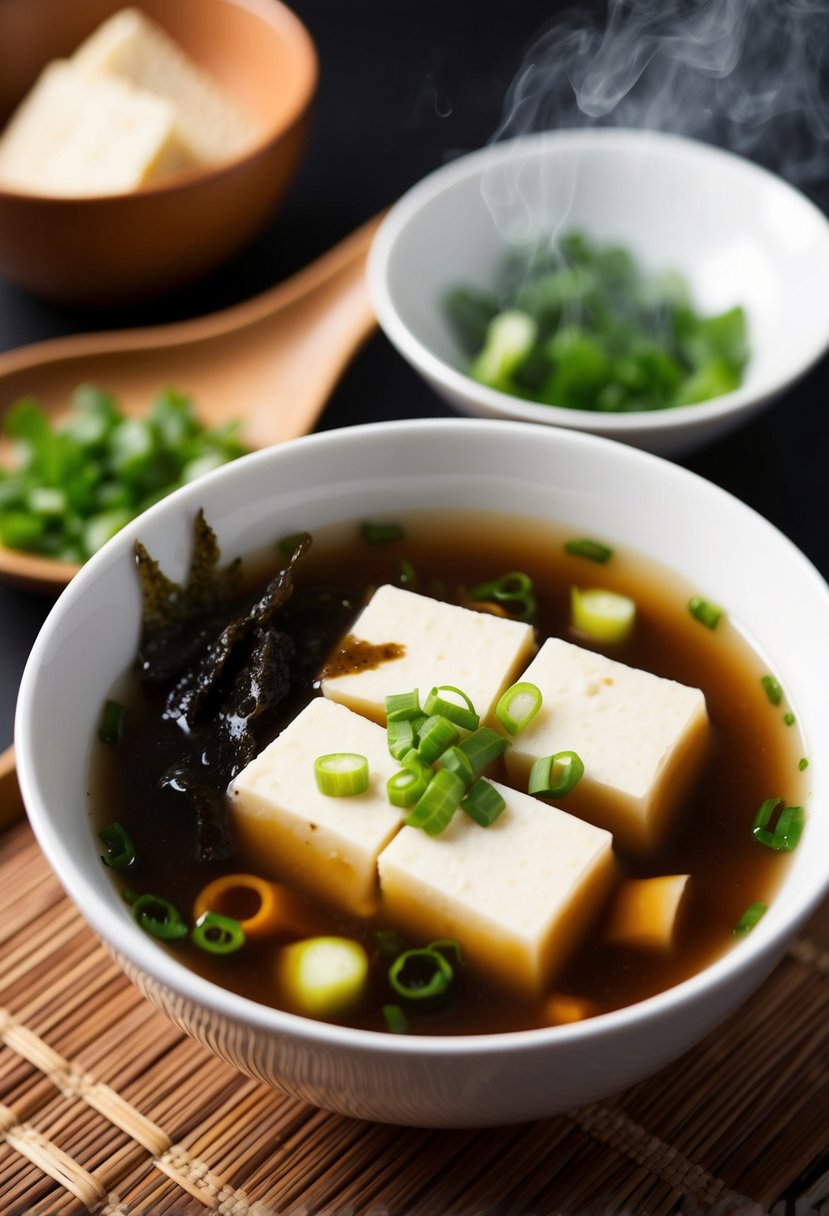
x=282, y=20
x=496, y=403
x=761, y=948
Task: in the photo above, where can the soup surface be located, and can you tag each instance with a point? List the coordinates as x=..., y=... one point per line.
x=755, y=755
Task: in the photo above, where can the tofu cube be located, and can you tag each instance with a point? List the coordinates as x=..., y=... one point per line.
x=326, y=844
x=78, y=136
x=437, y=644
x=641, y=738
x=130, y=47
x=518, y=896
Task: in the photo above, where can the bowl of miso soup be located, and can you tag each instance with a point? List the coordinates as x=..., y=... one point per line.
x=444, y=773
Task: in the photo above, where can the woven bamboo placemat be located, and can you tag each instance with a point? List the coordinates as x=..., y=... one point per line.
x=106, y=1107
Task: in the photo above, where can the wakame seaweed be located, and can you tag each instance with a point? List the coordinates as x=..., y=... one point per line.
x=222, y=670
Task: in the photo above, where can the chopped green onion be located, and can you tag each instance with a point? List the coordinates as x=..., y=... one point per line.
x=602, y=616
x=420, y=975
x=403, y=706
x=785, y=833
x=706, y=613
x=513, y=591
x=483, y=803
x=111, y=729
x=593, y=550
x=218, y=934
x=433, y=738
x=159, y=917
x=749, y=919
x=434, y=809
x=482, y=747
x=120, y=851
x=457, y=762
x=405, y=787
x=341, y=774
x=462, y=715
x=518, y=706
x=381, y=534
x=395, y=1019
x=789, y=719
x=802, y=763
x=554, y=776
x=406, y=573
x=772, y=689
x=400, y=737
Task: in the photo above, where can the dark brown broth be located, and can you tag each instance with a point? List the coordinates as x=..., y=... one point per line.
x=753, y=756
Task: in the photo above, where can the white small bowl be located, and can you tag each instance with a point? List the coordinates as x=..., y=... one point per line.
x=737, y=233
x=719, y=545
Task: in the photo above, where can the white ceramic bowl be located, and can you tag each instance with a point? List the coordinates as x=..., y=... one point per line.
x=737, y=233
x=550, y=474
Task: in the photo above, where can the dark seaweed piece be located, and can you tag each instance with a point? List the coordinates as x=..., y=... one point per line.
x=178, y=621
x=224, y=677
x=209, y=810
x=260, y=685
x=191, y=692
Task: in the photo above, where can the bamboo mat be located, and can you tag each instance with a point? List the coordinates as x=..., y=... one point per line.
x=105, y=1107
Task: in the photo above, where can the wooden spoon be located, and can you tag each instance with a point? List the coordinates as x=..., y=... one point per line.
x=270, y=362
x=11, y=803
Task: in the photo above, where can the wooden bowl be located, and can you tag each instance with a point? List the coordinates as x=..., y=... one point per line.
x=124, y=247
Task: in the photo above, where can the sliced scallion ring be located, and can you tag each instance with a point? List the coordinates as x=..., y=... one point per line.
x=483, y=803
x=704, y=611
x=120, y=851
x=749, y=918
x=462, y=715
x=555, y=776
x=434, y=809
x=602, y=616
x=778, y=829
x=395, y=1019
x=341, y=774
x=159, y=917
x=772, y=689
x=217, y=934
x=400, y=737
x=111, y=729
x=593, y=550
x=420, y=975
x=513, y=591
x=457, y=762
x=434, y=736
x=408, y=785
x=518, y=706
x=482, y=747
x=403, y=706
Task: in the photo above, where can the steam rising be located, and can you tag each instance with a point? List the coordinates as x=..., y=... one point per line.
x=750, y=75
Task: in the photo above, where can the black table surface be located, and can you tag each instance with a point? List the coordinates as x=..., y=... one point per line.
x=404, y=88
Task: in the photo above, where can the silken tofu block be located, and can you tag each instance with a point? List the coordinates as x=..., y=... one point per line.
x=641, y=738
x=73, y=137
x=132, y=48
x=441, y=644
x=326, y=844
x=518, y=896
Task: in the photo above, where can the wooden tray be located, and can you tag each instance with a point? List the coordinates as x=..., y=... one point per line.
x=107, y=1108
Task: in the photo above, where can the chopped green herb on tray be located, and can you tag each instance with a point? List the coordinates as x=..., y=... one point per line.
x=580, y=325
x=76, y=483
